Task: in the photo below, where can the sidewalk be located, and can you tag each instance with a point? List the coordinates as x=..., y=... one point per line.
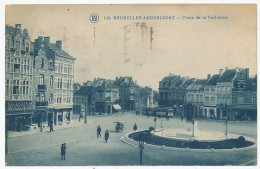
x=74, y=123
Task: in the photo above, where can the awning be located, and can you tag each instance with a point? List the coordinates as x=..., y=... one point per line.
x=246, y=107
x=117, y=107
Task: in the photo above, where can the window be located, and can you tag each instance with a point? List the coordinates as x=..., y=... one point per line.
x=42, y=63
x=41, y=80
x=51, y=81
x=240, y=99
x=212, y=100
x=60, y=83
x=17, y=68
x=8, y=43
x=42, y=99
x=18, y=45
x=27, y=47
x=228, y=89
x=16, y=89
x=7, y=87
x=207, y=100
x=207, y=90
x=212, y=90
x=50, y=64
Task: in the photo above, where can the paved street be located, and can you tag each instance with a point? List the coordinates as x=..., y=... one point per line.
x=83, y=148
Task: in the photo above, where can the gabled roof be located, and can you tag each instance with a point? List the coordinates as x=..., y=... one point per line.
x=125, y=81
x=197, y=85
x=213, y=80
x=227, y=76
x=104, y=84
x=84, y=90
x=187, y=83
x=60, y=52
x=169, y=78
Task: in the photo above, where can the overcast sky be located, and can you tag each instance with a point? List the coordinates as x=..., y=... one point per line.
x=191, y=48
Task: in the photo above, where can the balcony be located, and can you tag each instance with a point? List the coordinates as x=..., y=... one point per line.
x=41, y=104
x=41, y=87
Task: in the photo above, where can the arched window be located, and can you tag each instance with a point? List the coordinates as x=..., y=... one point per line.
x=42, y=99
x=41, y=80
x=42, y=63
x=50, y=64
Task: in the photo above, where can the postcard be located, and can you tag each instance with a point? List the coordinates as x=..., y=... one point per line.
x=130, y=85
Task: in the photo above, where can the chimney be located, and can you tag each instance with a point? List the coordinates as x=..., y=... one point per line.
x=18, y=26
x=40, y=41
x=47, y=40
x=209, y=76
x=220, y=72
x=237, y=69
x=247, y=72
x=59, y=44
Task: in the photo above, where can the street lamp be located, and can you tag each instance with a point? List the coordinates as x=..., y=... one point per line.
x=141, y=147
x=161, y=122
x=193, y=134
x=155, y=119
x=85, y=122
x=226, y=132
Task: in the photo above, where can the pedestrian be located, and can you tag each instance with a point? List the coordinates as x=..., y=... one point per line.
x=98, y=131
x=167, y=116
x=51, y=126
x=181, y=117
x=136, y=112
x=135, y=127
x=62, y=150
x=106, y=135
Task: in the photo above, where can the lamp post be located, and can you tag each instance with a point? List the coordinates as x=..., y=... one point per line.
x=155, y=119
x=193, y=134
x=141, y=147
x=85, y=121
x=161, y=122
x=226, y=132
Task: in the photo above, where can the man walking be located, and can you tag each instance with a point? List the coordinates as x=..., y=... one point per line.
x=106, y=135
x=51, y=126
x=98, y=131
x=135, y=127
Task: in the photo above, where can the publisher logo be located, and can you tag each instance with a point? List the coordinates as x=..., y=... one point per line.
x=94, y=18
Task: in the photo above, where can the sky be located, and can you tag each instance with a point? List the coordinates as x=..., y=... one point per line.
x=186, y=47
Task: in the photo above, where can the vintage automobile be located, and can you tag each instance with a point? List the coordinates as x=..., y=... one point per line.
x=119, y=126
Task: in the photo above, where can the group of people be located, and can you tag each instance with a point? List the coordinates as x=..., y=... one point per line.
x=137, y=112
x=63, y=146
x=99, y=133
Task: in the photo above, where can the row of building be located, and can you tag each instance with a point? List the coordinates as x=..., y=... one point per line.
x=39, y=78
x=109, y=96
x=230, y=94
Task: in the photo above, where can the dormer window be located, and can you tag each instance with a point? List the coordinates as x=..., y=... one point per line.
x=50, y=64
x=27, y=46
x=241, y=85
x=18, y=45
x=42, y=63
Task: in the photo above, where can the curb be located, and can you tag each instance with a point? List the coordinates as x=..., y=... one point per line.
x=130, y=141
